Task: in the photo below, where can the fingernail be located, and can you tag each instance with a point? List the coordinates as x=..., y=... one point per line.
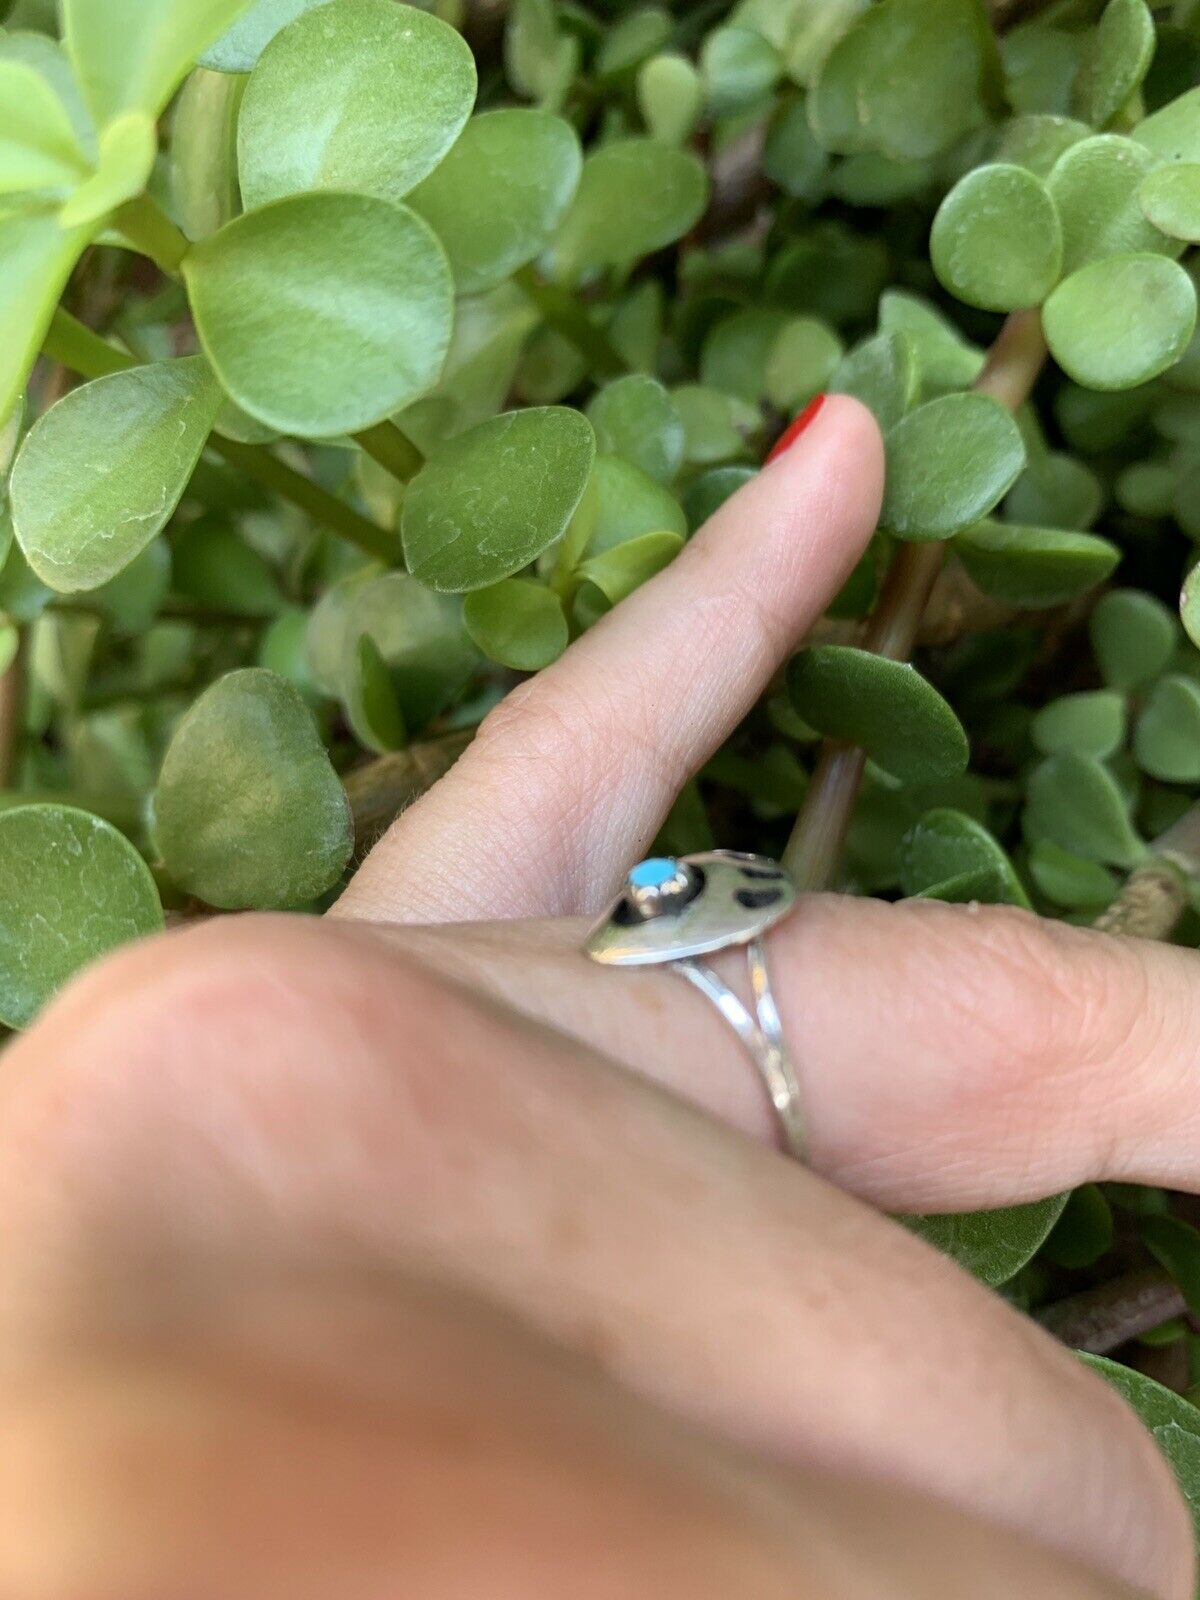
x=793, y=431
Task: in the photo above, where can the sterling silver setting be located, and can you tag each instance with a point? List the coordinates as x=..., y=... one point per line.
x=673, y=910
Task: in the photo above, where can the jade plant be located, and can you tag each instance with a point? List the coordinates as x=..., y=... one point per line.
x=356, y=356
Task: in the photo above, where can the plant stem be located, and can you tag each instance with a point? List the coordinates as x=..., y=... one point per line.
x=568, y=317
x=12, y=712
x=1155, y=894
x=85, y=352
x=149, y=229
x=814, y=850
x=394, y=450
x=380, y=790
x=1100, y=1320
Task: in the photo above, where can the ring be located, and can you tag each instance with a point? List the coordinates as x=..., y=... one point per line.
x=673, y=910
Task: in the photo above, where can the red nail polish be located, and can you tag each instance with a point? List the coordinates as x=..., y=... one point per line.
x=793, y=431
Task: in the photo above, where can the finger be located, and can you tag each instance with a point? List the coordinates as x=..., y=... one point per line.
x=274, y=1079
x=572, y=775
x=294, y=1435
x=951, y=1058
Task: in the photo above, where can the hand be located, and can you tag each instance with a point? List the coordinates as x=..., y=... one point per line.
x=480, y=1107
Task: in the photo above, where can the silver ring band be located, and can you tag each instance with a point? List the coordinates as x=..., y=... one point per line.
x=673, y=911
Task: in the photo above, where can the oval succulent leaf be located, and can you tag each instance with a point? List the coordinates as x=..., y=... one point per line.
x=1073, y=801
x=364, y=96
x=1117, y=60
x=949, y=463
x=38, y=145
x=100, y=473
x=489, y=502
x=248, y=812
x=947, y=847
x=130, y=56
x=36, y=258
x=1170, y=199
x=1119, y=322
x=1034, y=567
x=324, y=313
x=906, y=80
x=1173, y=1422
x=1095, y=188
x=240, y=46
x=992, y=1245
x=500, y=193
x=71, y=889
x=1166, y=737
x=635, y=196
x=886, y=707
x=997, y=241
x=517, y=623
x=1133, y=636
x=636, y=418
x=1091, y=723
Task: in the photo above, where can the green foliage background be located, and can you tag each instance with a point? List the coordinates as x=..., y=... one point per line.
x=356, y=356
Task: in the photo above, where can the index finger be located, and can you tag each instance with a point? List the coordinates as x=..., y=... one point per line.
x=572, y=775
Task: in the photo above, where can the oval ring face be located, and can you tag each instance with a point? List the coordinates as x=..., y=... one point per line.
x=737, y=899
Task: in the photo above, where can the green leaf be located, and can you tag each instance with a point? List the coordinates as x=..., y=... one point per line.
x=1174, y=1424
x=635, y=196
x=1037, y=141
x=792, y=158
x=128, y=150
x=240, y=46
x=996, y=241
x=740, y=69
x=906, y=79
x=130, y=56
x=1118, y=58
x=364, y=96
x=248, y=812
x=736, y=351
x=1075, y=803
x=1166, y=737
x=607, y=578
x=36, y=258
x=1091, y=723
x=497, y=198
x=1041, y=64
x=628, y=42
x=801, y=362
x=39, y=148
x=419, y=645
x=1133, y=636
x=709, y=492
x=101, y=472
x=882, y=373
x=716, y=426
x=495, y=497
x=1170, y=200
x=204, y=181
x=1034, y=567
x=48, y=58
x=628, y=503
x=1070, y=880
x=518, y=623
x=1121, y=321
x=945, y=361
x=886, y=707
x=324, y=313
x=948, y=847
x=991, y=1245
x=1189, y=605
x=1084, y=1232
x=636, y=418
x=1056, y=491
x=670, y=96
x=1095, y=186
x=1173, y=134
x=948, y=464
x=71, y=889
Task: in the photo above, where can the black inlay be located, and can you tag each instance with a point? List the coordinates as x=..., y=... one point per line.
x=769, y=874
x=756, y=899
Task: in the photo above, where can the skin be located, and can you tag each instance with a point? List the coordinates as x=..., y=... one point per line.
x=409, y=1252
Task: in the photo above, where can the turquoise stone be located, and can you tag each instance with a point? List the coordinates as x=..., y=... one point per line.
x=654, y=873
